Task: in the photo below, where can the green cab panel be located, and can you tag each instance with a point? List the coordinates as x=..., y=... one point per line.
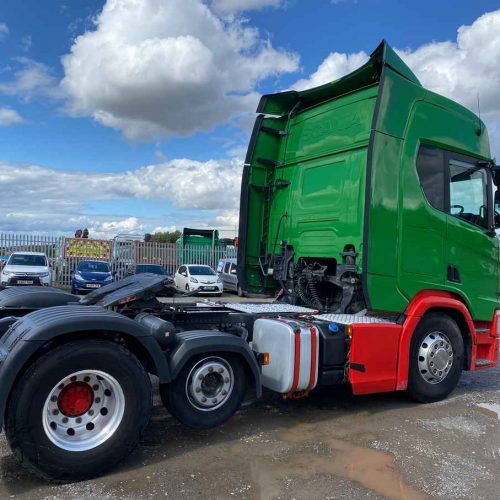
x=333, y=192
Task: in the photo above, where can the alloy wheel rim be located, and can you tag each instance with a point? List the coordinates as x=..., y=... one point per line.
x=210, y=384
x=435, y=357
x=83, y=410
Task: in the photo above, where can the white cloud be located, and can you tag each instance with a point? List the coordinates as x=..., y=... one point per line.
x=66, y=224
x=40, y=198
x=463, y=68
x=187, y=184
x=4, y=30
x=459, y=69
x=332, y=68
x=127, y=225
x=29, y=79
x=155, y=67
x=9, y=117
x=228, y=218
x=26, y=43
x=226, y=7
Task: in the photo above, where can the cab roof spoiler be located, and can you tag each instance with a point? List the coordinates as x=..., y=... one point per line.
x=283, y=103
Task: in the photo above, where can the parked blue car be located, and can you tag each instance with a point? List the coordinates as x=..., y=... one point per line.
x=89, y=275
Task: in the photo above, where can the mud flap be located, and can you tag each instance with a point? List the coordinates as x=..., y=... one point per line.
x=373, y=357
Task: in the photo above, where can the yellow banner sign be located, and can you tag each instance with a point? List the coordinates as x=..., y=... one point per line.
x=82, y=247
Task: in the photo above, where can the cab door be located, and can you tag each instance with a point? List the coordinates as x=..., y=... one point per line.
x=471, y=244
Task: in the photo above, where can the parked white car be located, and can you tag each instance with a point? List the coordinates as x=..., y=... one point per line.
x=26, y=268
x=199, y=278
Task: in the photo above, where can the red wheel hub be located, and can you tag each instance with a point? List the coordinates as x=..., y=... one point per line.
x=75, y=399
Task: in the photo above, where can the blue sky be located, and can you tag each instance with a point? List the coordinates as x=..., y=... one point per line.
x=87, y=96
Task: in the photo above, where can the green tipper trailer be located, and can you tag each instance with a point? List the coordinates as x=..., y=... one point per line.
x=359, y=194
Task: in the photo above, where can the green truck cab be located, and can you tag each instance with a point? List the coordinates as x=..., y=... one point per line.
x=361, y=194
x=369, y=200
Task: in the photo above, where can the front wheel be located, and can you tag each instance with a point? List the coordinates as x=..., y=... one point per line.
x=207, y=391
x=78, y=410
x=436, y=358
x=239, y=290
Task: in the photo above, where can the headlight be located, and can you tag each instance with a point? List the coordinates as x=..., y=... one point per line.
x=8, y=273
x=193, y=280
x=78, y=277
x=219, y=280
x=44, y=275
x=109, y=278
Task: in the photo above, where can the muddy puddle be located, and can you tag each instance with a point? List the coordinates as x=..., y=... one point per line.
x=303, y=452
x=321, y=453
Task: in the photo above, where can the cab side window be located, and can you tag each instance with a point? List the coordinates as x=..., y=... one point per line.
x=226, y=267
x=468, y=193
x=454, y=183
x=431, y=174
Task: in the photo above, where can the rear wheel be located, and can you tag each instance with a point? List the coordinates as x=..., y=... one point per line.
x=436, y=358
x=207, y=391
x=78, y=410
x=239, y=290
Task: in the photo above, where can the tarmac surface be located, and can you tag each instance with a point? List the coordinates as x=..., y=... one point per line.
x=332, y=445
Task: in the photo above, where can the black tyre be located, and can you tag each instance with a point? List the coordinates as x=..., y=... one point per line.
x=239, y=290
x=78, y=410
x=208, y=390
x=436, y=358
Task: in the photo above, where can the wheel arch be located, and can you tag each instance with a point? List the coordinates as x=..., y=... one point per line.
x=28, y=340
x=423, y=304
x=210, y=342
x=141, y=347
x=463, y=326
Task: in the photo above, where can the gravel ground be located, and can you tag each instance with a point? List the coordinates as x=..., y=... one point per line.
x=331, y=445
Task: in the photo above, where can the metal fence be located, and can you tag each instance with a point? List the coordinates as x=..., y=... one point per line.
x=64, y=254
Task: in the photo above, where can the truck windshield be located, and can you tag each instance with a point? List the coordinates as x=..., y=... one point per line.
x=93, y=267
x=27, y=260
x=201, y=271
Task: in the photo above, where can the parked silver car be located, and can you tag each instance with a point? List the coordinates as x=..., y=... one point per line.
x=226, y=268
